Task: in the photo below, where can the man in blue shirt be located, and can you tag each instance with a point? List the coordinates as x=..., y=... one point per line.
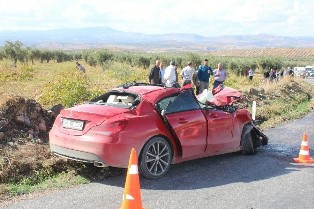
x=203, y=75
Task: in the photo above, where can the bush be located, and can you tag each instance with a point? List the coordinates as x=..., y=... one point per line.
x=17, y=74
x=103, y=57
x=124, y=73
x=91, y=59
x=69, y=88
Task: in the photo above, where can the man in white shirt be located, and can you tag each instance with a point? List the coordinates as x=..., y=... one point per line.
x=187, y=74
x=251, y=74
x=170, y=75
x=220, y=76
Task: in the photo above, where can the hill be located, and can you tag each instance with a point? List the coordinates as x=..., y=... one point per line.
x=96, y=37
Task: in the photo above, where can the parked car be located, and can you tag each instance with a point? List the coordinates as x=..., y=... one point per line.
x=300, y=71
x=165, y=126
x=310, y=71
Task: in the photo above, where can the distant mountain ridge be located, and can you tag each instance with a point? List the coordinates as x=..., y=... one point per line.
x=96, y=37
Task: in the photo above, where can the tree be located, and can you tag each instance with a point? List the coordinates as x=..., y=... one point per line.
x=2, y=55
x=33, y=54
x=195, y=59
x=233, y=66
x=14, y=51
x=86, y=54
x=59, y=56
x=103, y=57
x=77, y=55
x=271, y=63
x=91, y=59
x=144, y=62
x=46, y=55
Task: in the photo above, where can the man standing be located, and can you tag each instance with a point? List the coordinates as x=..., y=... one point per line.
x=196, y=82
x=170, y=75
x=220, y=75
x=187, y=74
x=251, y=74
x=154, y=75
x=176, y=72
x=203, y=75
x=162, y=73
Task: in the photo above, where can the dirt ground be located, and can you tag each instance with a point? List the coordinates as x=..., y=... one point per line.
x=24, y=127
x=24, y=143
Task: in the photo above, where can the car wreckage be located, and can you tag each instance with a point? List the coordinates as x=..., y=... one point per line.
x=166, y=125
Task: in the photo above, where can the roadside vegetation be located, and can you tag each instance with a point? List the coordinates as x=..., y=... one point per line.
x=50, y=77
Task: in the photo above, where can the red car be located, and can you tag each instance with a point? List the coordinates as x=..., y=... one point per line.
x=165, y=126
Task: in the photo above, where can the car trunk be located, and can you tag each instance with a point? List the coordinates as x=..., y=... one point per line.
x=89, y=115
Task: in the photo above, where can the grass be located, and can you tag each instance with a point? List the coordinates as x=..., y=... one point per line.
x=287, y=99
x=97, y=79
x=43, y=182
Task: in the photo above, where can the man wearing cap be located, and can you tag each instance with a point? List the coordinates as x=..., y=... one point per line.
x=170, y=74
x=203, y=74
x=187, y=74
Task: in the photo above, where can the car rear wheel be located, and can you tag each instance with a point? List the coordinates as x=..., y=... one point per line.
x=155, y=158
x=246, y=144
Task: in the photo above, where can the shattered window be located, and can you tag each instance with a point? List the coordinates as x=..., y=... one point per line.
x=182, y=102
x=116, y=99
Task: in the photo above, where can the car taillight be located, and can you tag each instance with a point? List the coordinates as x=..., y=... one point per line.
x=109, y=129
x=117, y=126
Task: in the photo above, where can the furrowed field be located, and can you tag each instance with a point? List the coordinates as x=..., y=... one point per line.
x=50, y=77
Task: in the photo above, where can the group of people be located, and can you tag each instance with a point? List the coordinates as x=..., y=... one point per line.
x=199, y=78
x=274, y=75
x=159, y=75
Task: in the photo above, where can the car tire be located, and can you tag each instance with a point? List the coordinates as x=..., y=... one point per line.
x=265, y=140
x=155, y=158
x=246, y=144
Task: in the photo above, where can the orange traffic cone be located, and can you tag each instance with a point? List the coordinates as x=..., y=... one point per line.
x=132, y=191
x=304, y=154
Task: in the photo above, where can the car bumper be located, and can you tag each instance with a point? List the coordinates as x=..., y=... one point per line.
x=100, y=150
x=77, y=155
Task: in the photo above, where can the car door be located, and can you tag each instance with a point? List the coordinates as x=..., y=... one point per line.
x=221, y=138
x=186, y=119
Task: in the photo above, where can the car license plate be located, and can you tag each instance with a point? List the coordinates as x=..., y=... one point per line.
x=72, y=124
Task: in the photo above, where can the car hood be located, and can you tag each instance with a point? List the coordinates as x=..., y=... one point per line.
x=225, y=96
x=94, y=113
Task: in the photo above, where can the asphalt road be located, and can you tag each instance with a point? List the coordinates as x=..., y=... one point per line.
x=310, y=80
x=268, y=179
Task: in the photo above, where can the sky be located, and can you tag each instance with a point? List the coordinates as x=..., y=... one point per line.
x=203, y=17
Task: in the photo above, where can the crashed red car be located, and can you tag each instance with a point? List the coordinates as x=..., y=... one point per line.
x=165, y=126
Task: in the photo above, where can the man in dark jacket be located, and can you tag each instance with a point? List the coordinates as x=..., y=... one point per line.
x=154, y=75
x=203, y=74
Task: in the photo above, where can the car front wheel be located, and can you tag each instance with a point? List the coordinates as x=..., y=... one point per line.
x=155, y=158
x=246, y=144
